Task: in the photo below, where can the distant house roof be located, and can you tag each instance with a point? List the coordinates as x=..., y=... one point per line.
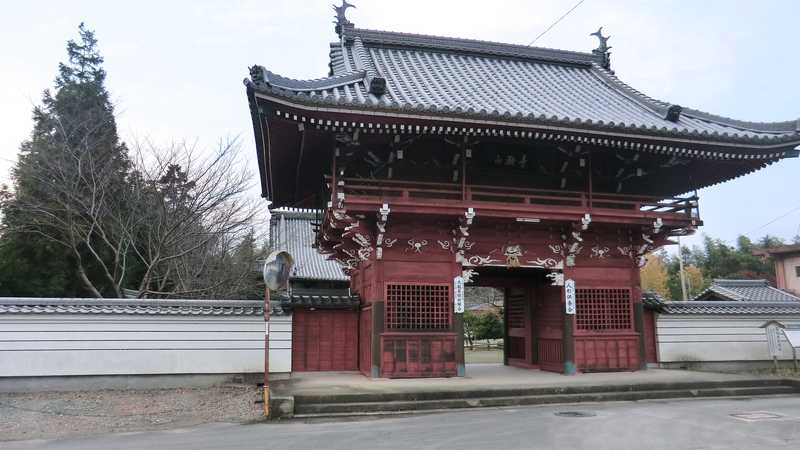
x=729, y=297
x=292, y=230
x=14, y=305
x=745, y=291
x=762, y=303
x=782, y=250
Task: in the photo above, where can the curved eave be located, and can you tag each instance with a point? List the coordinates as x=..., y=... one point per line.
x=281, y=82
x=258, y=134
x=660, y=107
x=783, y=142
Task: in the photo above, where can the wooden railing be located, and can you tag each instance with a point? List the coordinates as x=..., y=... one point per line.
x=393, y=191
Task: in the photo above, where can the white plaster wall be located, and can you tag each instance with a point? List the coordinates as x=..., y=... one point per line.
x=72, y=344
x=716, y=338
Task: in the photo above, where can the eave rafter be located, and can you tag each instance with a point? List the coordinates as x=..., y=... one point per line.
x=388, y=123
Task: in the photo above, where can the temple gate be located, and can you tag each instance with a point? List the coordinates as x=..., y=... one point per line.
x=525, y=168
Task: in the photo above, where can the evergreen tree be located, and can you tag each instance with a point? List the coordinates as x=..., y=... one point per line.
x=75, y=120
x=716, y=259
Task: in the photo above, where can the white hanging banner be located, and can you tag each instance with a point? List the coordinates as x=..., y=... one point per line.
x=458, y=295
x=569, y=296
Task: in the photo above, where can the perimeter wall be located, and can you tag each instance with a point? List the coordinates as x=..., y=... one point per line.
x=48, y=345
x=726, y=342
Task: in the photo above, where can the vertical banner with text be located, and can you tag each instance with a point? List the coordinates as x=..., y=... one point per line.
x=569, y=296
x=458, y=295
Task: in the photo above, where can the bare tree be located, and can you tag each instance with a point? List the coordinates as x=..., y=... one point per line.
x=194, y=219
x=71, y=195
x=173, y=226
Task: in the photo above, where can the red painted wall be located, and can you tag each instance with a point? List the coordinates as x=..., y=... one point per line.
x=324, y=340
x=651, y=355
x=612, y=349
x=421, y=252
x=365, y=341
x=416, y=355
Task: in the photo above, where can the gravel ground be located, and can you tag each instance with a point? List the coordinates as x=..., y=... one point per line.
x=483, y=356
x=43, y=415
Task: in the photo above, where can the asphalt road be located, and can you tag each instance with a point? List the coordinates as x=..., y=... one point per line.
x=687, y=424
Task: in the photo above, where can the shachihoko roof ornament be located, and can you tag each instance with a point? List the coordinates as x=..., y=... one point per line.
x=341, y=18
x=603, y=49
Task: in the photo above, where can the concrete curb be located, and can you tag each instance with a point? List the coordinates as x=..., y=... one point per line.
x=374, y=404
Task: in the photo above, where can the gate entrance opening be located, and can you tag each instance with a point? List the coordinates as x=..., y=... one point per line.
x=533, y=317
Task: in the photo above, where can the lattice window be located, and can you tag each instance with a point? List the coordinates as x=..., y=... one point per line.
x=418, y=307
x=603, y=309
x=516, y=312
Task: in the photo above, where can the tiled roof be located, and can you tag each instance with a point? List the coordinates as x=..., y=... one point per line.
x=746, y=290
x=291, y=230
x=506, y=83
x=651, y=300
x=130, y=306
x=736, y=307
x=321, y=300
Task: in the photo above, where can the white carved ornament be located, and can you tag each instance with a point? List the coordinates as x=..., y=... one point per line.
x=416, y=245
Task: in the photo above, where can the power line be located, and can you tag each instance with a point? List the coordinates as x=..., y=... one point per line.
x=555, y=23
x=775, y=220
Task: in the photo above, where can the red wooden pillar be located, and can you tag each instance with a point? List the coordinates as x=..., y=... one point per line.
x=638, y=316
x=568, y=327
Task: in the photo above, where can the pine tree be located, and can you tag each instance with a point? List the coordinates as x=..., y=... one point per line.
x=74, y=136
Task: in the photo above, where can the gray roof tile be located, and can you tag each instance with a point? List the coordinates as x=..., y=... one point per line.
x=291, y=230
x=746, y=290
x=652, y=300
x=735, y=308
x=131, y=307
x=320, y=300
x=478, y=79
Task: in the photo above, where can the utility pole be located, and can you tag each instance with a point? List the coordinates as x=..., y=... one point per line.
x=266, y=352
x=680, y=270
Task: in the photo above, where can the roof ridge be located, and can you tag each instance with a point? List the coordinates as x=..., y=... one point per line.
x=296, y=213
x=259, y=74
x=66, y=301
x=727, y=303
x=736, y=282
x=726, y=291
x=474, y=45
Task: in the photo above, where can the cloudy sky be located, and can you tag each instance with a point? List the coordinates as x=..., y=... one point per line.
x=175, y=68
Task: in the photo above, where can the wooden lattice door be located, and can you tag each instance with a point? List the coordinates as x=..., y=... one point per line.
x=519, y=326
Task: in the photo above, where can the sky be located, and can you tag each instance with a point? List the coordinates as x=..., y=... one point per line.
x=175, y=68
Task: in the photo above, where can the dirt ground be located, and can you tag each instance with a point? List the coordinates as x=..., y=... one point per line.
x=43, y=415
